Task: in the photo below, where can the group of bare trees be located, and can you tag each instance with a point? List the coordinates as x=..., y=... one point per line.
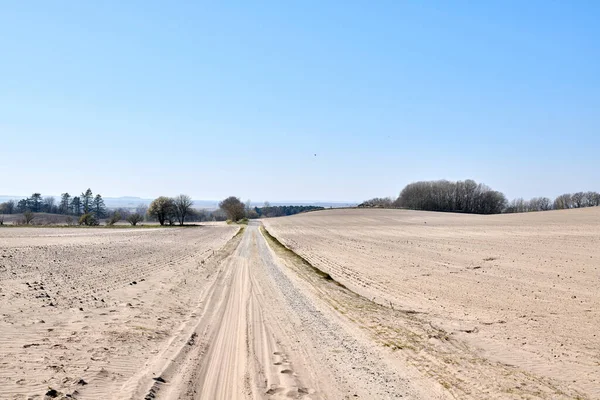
x=171, y=209
x=577, y=200
x=462, y=196
x=535, y=204
x=471, y=197
x=562, y=202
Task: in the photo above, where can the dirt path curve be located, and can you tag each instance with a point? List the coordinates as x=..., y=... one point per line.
x=260, y=336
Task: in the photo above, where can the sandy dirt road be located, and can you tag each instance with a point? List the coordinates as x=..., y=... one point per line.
x=264, y=334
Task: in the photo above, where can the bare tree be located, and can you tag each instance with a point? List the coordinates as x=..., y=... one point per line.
x=135, y=218
x=141, y=209
x=29, y=216
x=564, y=201
x=183, y=203
x=8, y=207
x=233, y=207
x=593, y=199
x=266, y=210
x=48, y=204
x=545, y=204
x=163, y=209
x=114, y=218
x=578, y=199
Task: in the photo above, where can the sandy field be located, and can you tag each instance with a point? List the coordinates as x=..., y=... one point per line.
x=514, y=298
x=371, y=304
x=216, y=312
x=82, y=310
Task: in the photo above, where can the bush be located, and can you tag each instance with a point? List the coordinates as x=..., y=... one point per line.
x=133, y=219
x=28, y=217
x=114, y=218
x=69, y=220
x=88, y=220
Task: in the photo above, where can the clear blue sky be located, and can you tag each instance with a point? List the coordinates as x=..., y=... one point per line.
x=149, y=98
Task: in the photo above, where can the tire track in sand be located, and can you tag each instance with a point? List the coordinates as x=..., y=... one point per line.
x=233, y=352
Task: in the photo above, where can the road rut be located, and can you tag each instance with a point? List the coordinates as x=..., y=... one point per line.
x=260, y=335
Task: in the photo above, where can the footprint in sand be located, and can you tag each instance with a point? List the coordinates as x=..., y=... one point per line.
x=274, y=390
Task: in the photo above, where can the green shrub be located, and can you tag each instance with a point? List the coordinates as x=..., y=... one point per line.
x=88, y=220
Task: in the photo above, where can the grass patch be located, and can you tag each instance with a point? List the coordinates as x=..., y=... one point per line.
x=239, y=232
x=293, y=254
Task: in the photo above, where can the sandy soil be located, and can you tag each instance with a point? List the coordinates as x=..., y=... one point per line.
x=500, y=306
x=393, y=304
x=180, y=314
x=81, y=310
x=261, y=333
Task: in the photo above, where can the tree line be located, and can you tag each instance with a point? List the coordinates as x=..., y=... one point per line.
x=562, y=202
x=471, y=197
x=68, y=205
x=236, y=210
x=268, y=211
x=90, y=209
x=87, y=207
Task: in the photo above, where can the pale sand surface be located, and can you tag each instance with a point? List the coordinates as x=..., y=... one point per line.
x=193, y=313
x=468, y=307
x=520, y=291
x=94, y=304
